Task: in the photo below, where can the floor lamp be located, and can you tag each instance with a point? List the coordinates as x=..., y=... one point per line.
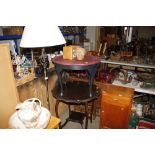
x=41, y=37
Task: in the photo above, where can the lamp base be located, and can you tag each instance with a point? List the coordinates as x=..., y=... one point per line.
x=45, y=63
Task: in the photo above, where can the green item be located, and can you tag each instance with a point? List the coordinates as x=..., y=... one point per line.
x=148, y=84
x=134, y=119
x=25, y=65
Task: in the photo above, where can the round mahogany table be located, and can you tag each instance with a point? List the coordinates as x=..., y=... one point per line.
x=89, y=63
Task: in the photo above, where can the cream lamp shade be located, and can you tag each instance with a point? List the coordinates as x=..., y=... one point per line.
x=41, y=36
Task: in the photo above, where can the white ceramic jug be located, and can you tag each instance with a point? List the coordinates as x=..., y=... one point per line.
x=29, y=111
x=30, y=114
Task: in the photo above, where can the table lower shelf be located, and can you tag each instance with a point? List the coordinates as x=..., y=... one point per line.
x=74, y=116
x=76, y=93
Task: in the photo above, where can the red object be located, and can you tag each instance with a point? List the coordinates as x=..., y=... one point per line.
x=105, y=76
x=88, y=60
x=146, y=125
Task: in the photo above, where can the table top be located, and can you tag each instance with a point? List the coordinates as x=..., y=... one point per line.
x=75, y=92
x=88, y=60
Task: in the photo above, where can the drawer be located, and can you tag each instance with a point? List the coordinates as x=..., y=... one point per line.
x=115, y=99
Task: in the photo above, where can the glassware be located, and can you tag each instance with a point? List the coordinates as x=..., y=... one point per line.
x=134, y=119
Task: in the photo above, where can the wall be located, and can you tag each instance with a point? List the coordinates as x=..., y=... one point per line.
x=146, y=32
x=91, y=34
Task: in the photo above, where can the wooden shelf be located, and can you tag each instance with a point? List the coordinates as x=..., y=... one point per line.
x=25, y=79
x=150, y=91
x=127, y=64
x=129, y=85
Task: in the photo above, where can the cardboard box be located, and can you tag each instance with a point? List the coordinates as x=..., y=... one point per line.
x=69, y=52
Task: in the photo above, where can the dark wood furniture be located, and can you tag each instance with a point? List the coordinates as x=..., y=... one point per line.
x=89, y=63
x=115, y=106
x=97, y=102
x=76, y=93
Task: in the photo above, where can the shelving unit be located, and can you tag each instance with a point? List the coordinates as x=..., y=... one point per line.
x=72, y=34
x=11, y=37
x=150, y=91
x=127, y=64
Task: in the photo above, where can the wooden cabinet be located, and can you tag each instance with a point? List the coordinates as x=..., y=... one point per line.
x=115, y=106
x=8, y=92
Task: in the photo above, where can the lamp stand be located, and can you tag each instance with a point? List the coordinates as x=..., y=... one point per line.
x=45, y=63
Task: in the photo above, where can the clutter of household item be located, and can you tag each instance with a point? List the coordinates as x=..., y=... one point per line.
x=135, y=79
x=30, y=115
x=23, y=69
x=119, y=77
x=21, y=66
x=143, y=112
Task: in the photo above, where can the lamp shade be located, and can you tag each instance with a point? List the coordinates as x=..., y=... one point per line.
x=41, y=36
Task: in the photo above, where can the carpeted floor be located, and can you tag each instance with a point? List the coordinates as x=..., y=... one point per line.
x=73, y=125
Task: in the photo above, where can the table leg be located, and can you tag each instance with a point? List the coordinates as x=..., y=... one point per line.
x=67, y=119
x=92, y=72
x=86, y=113
x=59, y=73
x=69, y=108
x=92, y=109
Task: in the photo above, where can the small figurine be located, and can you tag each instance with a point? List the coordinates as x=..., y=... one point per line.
x=44, y=60
x=18, y=68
